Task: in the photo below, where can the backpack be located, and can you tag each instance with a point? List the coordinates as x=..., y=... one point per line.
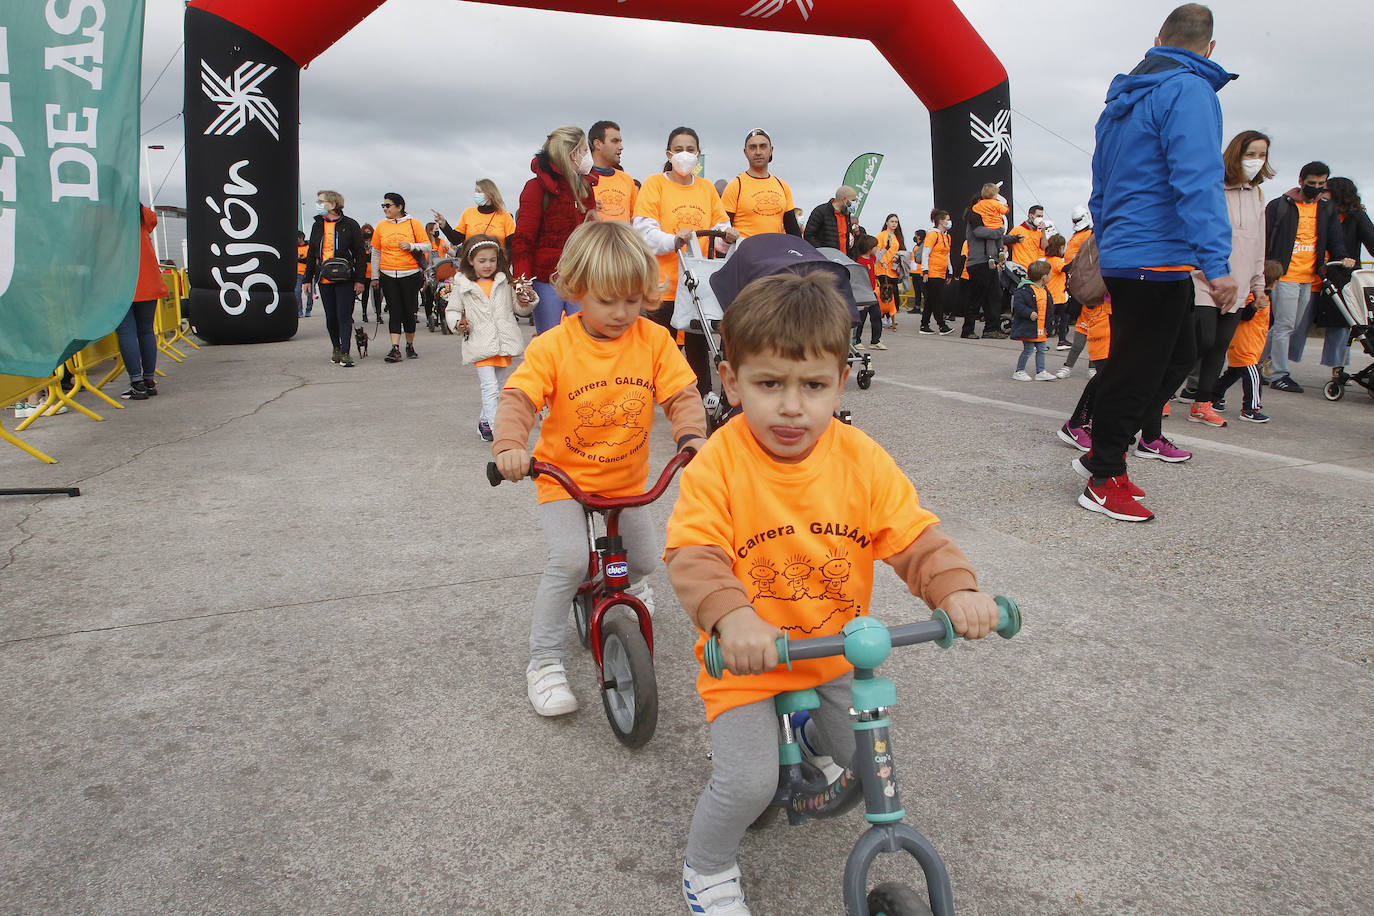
x=1085, y=275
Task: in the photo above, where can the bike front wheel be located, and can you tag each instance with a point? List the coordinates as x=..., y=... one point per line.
x=629, y=690
x=892, y=898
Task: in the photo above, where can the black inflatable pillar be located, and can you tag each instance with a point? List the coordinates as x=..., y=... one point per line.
x=970, y=145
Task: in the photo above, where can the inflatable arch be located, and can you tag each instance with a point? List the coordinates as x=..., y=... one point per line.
x=243, y=60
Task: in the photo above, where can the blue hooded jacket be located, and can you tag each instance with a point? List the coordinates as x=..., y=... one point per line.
x=1158, y=176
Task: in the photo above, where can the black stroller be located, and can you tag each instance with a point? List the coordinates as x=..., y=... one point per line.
x=1349, y=302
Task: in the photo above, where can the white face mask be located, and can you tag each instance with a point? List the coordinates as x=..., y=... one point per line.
x=684, y=163
x=320, y=209
x=1038, y=222
x=1251, y=167
x=479, y=199
x=584, y=164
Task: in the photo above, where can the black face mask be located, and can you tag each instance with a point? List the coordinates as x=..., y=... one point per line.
x=1310, y=192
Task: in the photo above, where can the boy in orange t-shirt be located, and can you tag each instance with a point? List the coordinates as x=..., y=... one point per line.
x=777, y=527
x=992, y=207
x=599, y=373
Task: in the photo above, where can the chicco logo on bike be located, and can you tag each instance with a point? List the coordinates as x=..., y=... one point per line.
x=617, y=569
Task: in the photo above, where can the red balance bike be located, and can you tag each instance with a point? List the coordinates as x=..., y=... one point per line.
x=613, y=623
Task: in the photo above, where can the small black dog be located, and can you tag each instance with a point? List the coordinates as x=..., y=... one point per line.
x=360, y=335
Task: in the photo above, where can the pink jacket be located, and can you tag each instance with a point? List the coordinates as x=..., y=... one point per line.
x=1245, y=209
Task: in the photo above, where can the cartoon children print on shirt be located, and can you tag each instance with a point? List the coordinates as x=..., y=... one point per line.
x=611, y=429
x=804, y=579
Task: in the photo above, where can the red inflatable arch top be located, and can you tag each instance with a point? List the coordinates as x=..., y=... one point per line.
x=243, y=95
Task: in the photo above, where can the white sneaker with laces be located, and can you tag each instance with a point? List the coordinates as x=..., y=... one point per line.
x=713, y=895
x=1045, y=376
x=645, y=593
x=1021, y=375
x=1064, y=372
x=548, y=690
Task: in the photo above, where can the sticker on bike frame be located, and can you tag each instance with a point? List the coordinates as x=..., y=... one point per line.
x=616, y=570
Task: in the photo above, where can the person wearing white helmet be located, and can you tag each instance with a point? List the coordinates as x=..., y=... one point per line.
x=1082, y=222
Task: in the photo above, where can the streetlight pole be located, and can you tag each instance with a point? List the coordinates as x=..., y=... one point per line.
x=152, y=205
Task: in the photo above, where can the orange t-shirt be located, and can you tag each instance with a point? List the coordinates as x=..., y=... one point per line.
x=1057, y=282
x=1302, y=267
x=964, y=251
x=600, y=395
x=1029, y=250
x=888, y=246
x=616, y=194
x=993, y=212
x=1247, y=344
x=1075, y=242
x=387, y=236
x=301, y=252
x=676, y=206
x=1096, y=324
x=802, y=539
x=758, y=203
x=499, y=224
x=327, y=245
x=937, y=262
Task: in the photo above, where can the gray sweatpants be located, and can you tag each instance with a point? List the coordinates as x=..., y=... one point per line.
x=744, y=772
x=565, y=534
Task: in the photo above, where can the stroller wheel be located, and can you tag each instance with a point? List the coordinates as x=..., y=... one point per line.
x=1004, y=324
x=864, y=378
x=1333, y=390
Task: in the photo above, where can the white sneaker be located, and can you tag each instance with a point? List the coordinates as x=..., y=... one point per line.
x=548, y=690
x=1064, y=372
x=859, y=346
x=23, y=412
x=645, y=593
x=1020, y=375
x=880, y=346
x=713, y=895
x=1045, y=376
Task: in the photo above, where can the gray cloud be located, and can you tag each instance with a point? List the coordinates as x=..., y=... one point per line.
x=426, y=96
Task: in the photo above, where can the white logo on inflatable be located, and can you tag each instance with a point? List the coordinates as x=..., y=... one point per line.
x=995, y=135
x=767, y=9
x=239, y=98
x=238, y=195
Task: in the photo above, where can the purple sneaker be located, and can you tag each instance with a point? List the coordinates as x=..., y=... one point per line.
x=1077, y=436
x=1162, y=449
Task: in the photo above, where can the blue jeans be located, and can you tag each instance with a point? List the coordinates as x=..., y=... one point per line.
x=303, y=305
x=1292, y=315
x=137, y=342
x=551, y=309
x=1038, y=347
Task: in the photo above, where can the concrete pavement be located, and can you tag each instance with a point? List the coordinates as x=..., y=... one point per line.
x=270, y=661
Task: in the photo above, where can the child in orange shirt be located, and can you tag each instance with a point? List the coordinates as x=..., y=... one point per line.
x=1058, y=285
x=992, y=207
x=1030, y=309
x=483, y=306
x=599, y=373
x=756, y=548
x=1247, y=345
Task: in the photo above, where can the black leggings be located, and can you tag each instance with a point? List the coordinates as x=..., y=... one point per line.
x=402, y=301
x=695, y=350
x=984, y=297
x=1214, y=333
x=376, y=295
x=935, y=302
x=874, y=314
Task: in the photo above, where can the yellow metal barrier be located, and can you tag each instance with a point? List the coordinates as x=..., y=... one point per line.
x=168, y=320
x=15, y=388
x=106, y=348
x=56, y=397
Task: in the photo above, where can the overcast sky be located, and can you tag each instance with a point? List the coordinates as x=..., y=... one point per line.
x=486, y=83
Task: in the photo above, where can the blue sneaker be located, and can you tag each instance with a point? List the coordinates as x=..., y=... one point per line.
x=807, y=733
x=484, y=430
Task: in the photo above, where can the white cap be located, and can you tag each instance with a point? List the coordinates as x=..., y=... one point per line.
x=1082, y=219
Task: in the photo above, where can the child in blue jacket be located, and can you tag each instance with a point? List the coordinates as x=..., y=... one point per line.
x=1030, y=306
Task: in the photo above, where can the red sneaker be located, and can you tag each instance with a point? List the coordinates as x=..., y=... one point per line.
x=1113, y=498
x=1131, y=488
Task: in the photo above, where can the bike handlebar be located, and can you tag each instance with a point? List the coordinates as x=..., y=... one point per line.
x=594, y=501
x=937, y=629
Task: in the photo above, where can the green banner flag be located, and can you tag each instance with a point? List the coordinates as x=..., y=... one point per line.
x=69, y=227
x=860, y=176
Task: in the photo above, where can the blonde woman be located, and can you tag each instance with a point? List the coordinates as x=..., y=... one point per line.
x=557, y=200
x=487, y=216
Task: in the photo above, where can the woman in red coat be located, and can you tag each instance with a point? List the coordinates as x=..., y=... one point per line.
x=557, y=200
x=137, y=342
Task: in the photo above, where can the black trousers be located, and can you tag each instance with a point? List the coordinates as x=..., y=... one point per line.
x=402, y=301
x=694, y=349
x=1214, y=333
x=874, y=314
x=934, y=302
x=1153, y=347
x=337, y=300
x=984, y=297
x=1249, y=381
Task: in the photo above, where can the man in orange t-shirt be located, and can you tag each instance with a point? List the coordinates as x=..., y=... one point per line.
x=1304, y=232
x=758, y=201
x=777, y=526
x=616, y=190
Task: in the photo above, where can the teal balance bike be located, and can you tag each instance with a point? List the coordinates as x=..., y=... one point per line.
x=866, y=643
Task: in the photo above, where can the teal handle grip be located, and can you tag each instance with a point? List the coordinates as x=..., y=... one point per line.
x=1008, y=621
x=715, y=664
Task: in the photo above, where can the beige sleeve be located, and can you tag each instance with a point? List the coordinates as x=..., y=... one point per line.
x=515, y=417
x=686, y=413
x=933, y=567
x=705, y=583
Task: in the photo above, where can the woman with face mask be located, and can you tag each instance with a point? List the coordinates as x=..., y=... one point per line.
x=487, y=216
x=1247, y=165
x=336, y=238
x=669, y=210
x=557, y=200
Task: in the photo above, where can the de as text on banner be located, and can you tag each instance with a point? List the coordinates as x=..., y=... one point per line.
x=69, y=212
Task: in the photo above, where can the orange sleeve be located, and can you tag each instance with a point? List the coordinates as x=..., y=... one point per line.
x=729, y=201
x=933, y=567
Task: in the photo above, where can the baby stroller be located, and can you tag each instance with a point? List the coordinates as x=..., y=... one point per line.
x=1011, y=276
x=706, y=287
x=434, y=292
x=863, y=294
x=1351, y=301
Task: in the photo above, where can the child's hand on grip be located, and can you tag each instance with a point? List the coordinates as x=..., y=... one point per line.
x=748, y=644
x=973, y=613
x=513, y=463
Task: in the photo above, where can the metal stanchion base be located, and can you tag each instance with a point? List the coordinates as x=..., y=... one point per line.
x=42, y=491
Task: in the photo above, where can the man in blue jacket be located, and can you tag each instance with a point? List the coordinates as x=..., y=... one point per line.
x=1159, y=211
